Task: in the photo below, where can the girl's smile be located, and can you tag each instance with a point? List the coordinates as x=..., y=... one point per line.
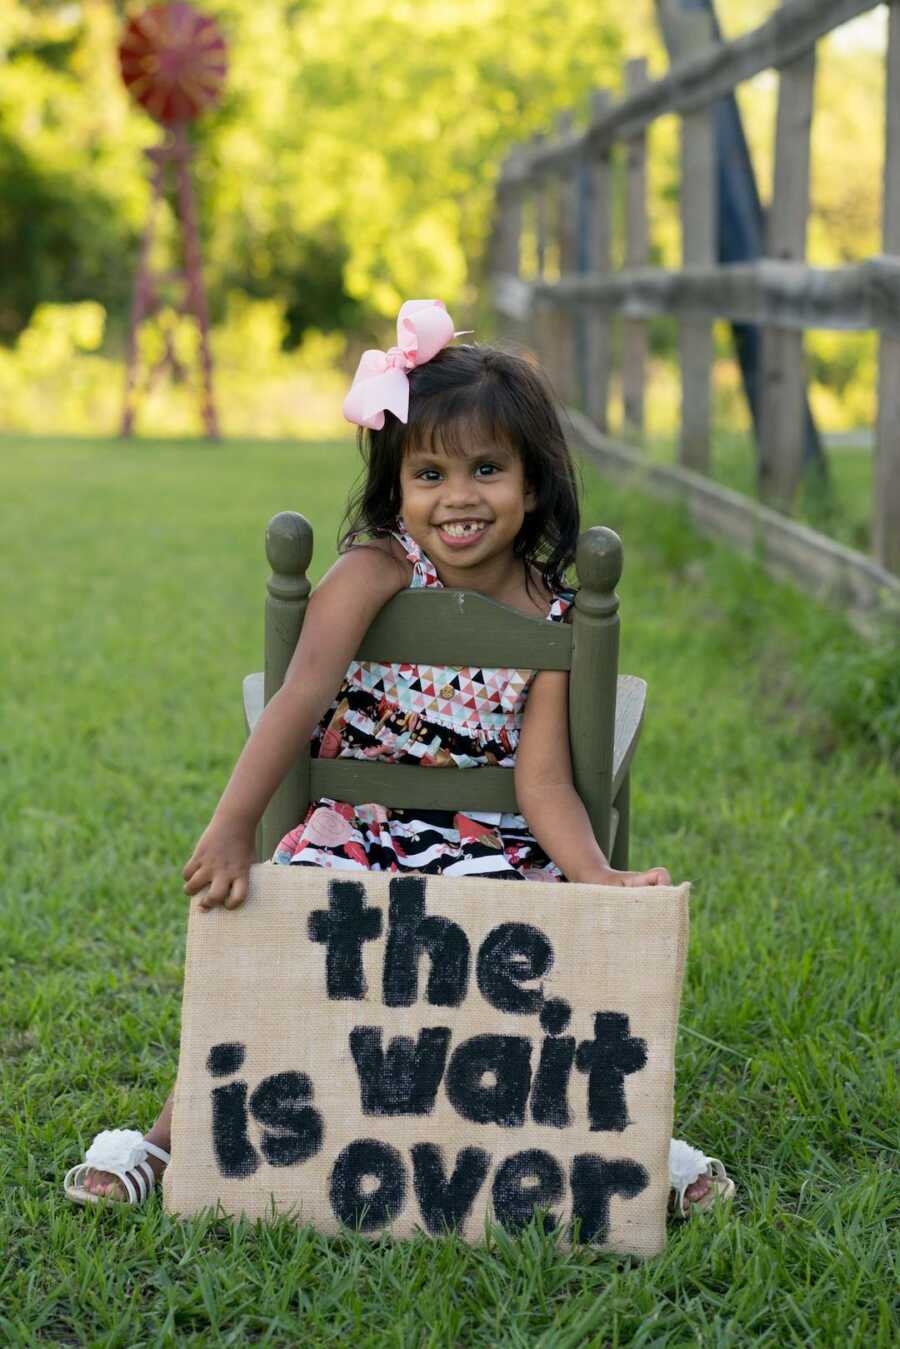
x=463, y=533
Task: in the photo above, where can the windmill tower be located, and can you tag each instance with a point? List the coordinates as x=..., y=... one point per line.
x=173, y=61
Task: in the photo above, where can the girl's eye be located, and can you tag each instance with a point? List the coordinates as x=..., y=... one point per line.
x=480, y=471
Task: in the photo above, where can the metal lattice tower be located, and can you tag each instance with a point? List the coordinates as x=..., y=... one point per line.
x=173, y=61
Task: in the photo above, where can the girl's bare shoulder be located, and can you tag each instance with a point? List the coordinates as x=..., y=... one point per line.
x=376, y=568
x=381, y=543
x=341, y=608
x=384, y=552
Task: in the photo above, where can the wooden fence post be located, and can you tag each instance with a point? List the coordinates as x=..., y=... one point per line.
x=495, y=237
x=783, y=368
x=511, y=233
x=598, y=325
x=538, y=185
x=699, y=214
x=584, y=211
x=567, y=226
x=541, y=324
x=886, y=475
x=637, y=254
x=507, y=256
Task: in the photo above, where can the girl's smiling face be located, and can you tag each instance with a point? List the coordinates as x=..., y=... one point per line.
x=464, y=507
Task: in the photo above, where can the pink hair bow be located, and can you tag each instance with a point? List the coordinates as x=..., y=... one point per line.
x=380, y=384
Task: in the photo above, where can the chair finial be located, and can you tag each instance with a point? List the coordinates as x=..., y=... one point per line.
x=289, y=543
x=599, y=559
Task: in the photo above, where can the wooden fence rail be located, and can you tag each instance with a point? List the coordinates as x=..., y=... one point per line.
x=564, y=184
x=715, y=70
x=790, y=295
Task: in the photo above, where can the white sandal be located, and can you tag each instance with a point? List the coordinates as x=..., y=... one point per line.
x=123, y=1153
x=687, y=1164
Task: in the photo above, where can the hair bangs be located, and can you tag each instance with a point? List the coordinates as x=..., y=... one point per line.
x=456, y=422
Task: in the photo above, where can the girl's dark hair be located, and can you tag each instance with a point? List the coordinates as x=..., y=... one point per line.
x=468, y=389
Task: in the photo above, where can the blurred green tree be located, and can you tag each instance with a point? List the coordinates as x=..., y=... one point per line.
x=350, y=164
x=57, y=240
x=352, y=161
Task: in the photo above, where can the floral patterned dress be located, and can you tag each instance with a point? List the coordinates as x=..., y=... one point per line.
x=431, y=716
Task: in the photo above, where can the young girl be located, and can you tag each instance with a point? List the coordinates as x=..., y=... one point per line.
x=468, y=484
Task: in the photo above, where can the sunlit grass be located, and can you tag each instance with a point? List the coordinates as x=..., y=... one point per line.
x=132, y=597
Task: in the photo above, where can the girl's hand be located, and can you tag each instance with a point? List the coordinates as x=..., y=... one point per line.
x=655, y=876
x=221, y=860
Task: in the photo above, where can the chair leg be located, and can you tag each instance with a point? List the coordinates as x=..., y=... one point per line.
x=619, y=858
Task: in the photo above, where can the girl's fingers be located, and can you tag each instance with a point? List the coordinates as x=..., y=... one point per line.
x=199, y=877
x=238, y=893
x=217, y=892
x=190, y=866
x=225, y=890
x=656, y=876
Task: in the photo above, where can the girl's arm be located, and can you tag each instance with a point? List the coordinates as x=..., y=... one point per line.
x=547, y=797
x=340, y=610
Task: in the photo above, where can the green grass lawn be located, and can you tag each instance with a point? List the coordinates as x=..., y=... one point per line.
x=132, y=588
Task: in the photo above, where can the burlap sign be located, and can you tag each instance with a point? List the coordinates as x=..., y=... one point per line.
x=418, y=1053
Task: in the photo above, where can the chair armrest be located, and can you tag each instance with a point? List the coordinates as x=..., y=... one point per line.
x=631, y=695
x=254, y=699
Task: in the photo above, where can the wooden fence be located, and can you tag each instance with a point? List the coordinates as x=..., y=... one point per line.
x=564, y=182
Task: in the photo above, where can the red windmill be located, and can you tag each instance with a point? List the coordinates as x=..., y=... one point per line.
x=173, y=62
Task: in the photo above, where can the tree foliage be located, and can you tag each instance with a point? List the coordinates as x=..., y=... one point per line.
x=352, y=160
x=57, y=237
x=350, y=164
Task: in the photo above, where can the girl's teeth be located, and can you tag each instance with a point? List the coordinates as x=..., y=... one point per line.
x=459, y=531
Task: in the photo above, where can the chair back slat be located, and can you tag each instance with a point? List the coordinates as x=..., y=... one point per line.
x=459, y=627
x=402, y=786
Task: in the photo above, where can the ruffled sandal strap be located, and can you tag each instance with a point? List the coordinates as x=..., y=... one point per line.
x=122, y=1153
x=687, y=1165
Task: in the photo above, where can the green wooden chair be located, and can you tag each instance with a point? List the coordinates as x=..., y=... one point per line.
x=460, y=627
